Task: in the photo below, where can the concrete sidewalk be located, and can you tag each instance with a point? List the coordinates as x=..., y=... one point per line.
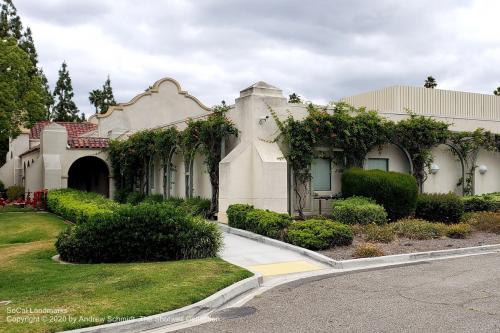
x=266, y=259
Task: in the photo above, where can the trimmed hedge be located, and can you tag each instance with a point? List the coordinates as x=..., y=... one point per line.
x=77, y=206
x=358, y=210
x=319, y=234
x=481, y=203
x=147, y=232
x=397, y=192
x=267, y=223
x=446, y=208
x=237, y=215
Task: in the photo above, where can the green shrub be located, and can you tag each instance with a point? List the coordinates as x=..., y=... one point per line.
x=121, y=195
x=196, y=206
x=147, y=232
x=153, y=198
x=484, y=221
x=77, y=206
x=134, y=198
x=15, y=192
x=418, y=229
x=479, y=204
x=459, y=230
x=367, y=251
x=380, y=234
x=447, y=208
x=267, y=223
x=237, y=215
x=358, y=210
x=319, y=234
x=397, y=192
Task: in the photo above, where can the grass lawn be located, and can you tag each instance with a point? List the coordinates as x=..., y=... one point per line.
x=90, y=294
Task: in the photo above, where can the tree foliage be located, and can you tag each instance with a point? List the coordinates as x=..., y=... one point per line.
x=430, y=82
x=496, y=92
x=21, y=95
x=294, y=98
x=64, y=109
x=103, y=98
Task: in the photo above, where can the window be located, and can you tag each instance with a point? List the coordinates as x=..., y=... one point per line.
x=321, y=170
x=377, y=164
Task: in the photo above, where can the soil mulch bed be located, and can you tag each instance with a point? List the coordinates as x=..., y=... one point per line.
x=404, y=245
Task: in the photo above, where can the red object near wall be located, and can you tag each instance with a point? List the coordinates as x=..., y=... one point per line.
x=40, y=198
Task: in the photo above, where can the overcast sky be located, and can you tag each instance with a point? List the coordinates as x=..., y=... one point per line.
x=323, y=50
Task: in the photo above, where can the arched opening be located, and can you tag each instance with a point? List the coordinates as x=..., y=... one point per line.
x=89, y=174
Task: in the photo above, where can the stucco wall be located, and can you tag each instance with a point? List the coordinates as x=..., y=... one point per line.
x=490, y=181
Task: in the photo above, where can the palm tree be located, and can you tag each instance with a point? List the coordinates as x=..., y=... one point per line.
x=430, y=83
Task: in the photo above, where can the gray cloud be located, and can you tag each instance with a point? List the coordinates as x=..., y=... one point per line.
x=321, y=49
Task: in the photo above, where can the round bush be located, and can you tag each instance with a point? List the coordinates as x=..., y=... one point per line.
x=380, y=234
x=267, y=223
x=147, y=232
x=447, y=208
x=358, y=210
x=460, y=230
x=367, y=251
x=397, y=192
x=319, y=234
x=237, y=215
x=418, y=229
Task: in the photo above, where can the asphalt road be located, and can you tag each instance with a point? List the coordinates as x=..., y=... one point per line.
x=457, y=295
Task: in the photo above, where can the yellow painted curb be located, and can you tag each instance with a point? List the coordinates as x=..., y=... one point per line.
x=285, y=268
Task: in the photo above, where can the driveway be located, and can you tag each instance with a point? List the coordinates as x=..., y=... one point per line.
x=457, y=295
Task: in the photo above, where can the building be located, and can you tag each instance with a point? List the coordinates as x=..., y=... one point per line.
x=60, y=155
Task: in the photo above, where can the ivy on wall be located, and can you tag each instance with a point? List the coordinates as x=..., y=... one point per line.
x=132, y=158
x=466, y=145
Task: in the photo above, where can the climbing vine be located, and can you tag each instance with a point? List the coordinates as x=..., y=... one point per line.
x=466, y=145
x=353, y=131
x=418, y=135
x=131, y=158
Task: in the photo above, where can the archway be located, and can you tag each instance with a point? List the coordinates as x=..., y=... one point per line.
x=89, y=174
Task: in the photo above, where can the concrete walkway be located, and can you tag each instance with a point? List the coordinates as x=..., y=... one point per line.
x=266, y=259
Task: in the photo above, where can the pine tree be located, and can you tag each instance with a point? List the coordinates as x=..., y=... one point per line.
x=496, y=92
x=64, y=109
x=294, y=98
x=48, y=98
x=28, y=45
x=10, y=22
x=102, y=99
x=430, y=82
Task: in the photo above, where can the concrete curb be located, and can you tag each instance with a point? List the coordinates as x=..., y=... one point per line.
x=188, y=312
x=364, y=262
x=266, y=240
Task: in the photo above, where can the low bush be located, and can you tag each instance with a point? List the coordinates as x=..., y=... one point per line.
x=147, y=232
x=418, y=229
x=459, y=230
x=380, y=234
x=358, y=210
x=197, y=206
x=15, y=192
x=447, y=208
x=153, y=198
x=319, y=234
x=267, y=223
x=484, y=221
x=397, y=192
x=77, y=206
x=479, y=203
x=237, y=215
x=134, y=198
x=367, y=251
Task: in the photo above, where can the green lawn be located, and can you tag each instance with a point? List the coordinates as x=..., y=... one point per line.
x=89, y=294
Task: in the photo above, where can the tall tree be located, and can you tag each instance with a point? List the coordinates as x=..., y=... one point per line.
x=48, y=98
x=496, y=92
x=64, y=109
x=430, y=82
x=103, y=98
x=10, y=22
x=21, y=95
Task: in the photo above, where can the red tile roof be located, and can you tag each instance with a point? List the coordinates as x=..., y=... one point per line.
x=88, y=143
x=74, y=129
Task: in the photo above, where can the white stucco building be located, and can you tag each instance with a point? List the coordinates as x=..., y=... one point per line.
x=59, y=155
